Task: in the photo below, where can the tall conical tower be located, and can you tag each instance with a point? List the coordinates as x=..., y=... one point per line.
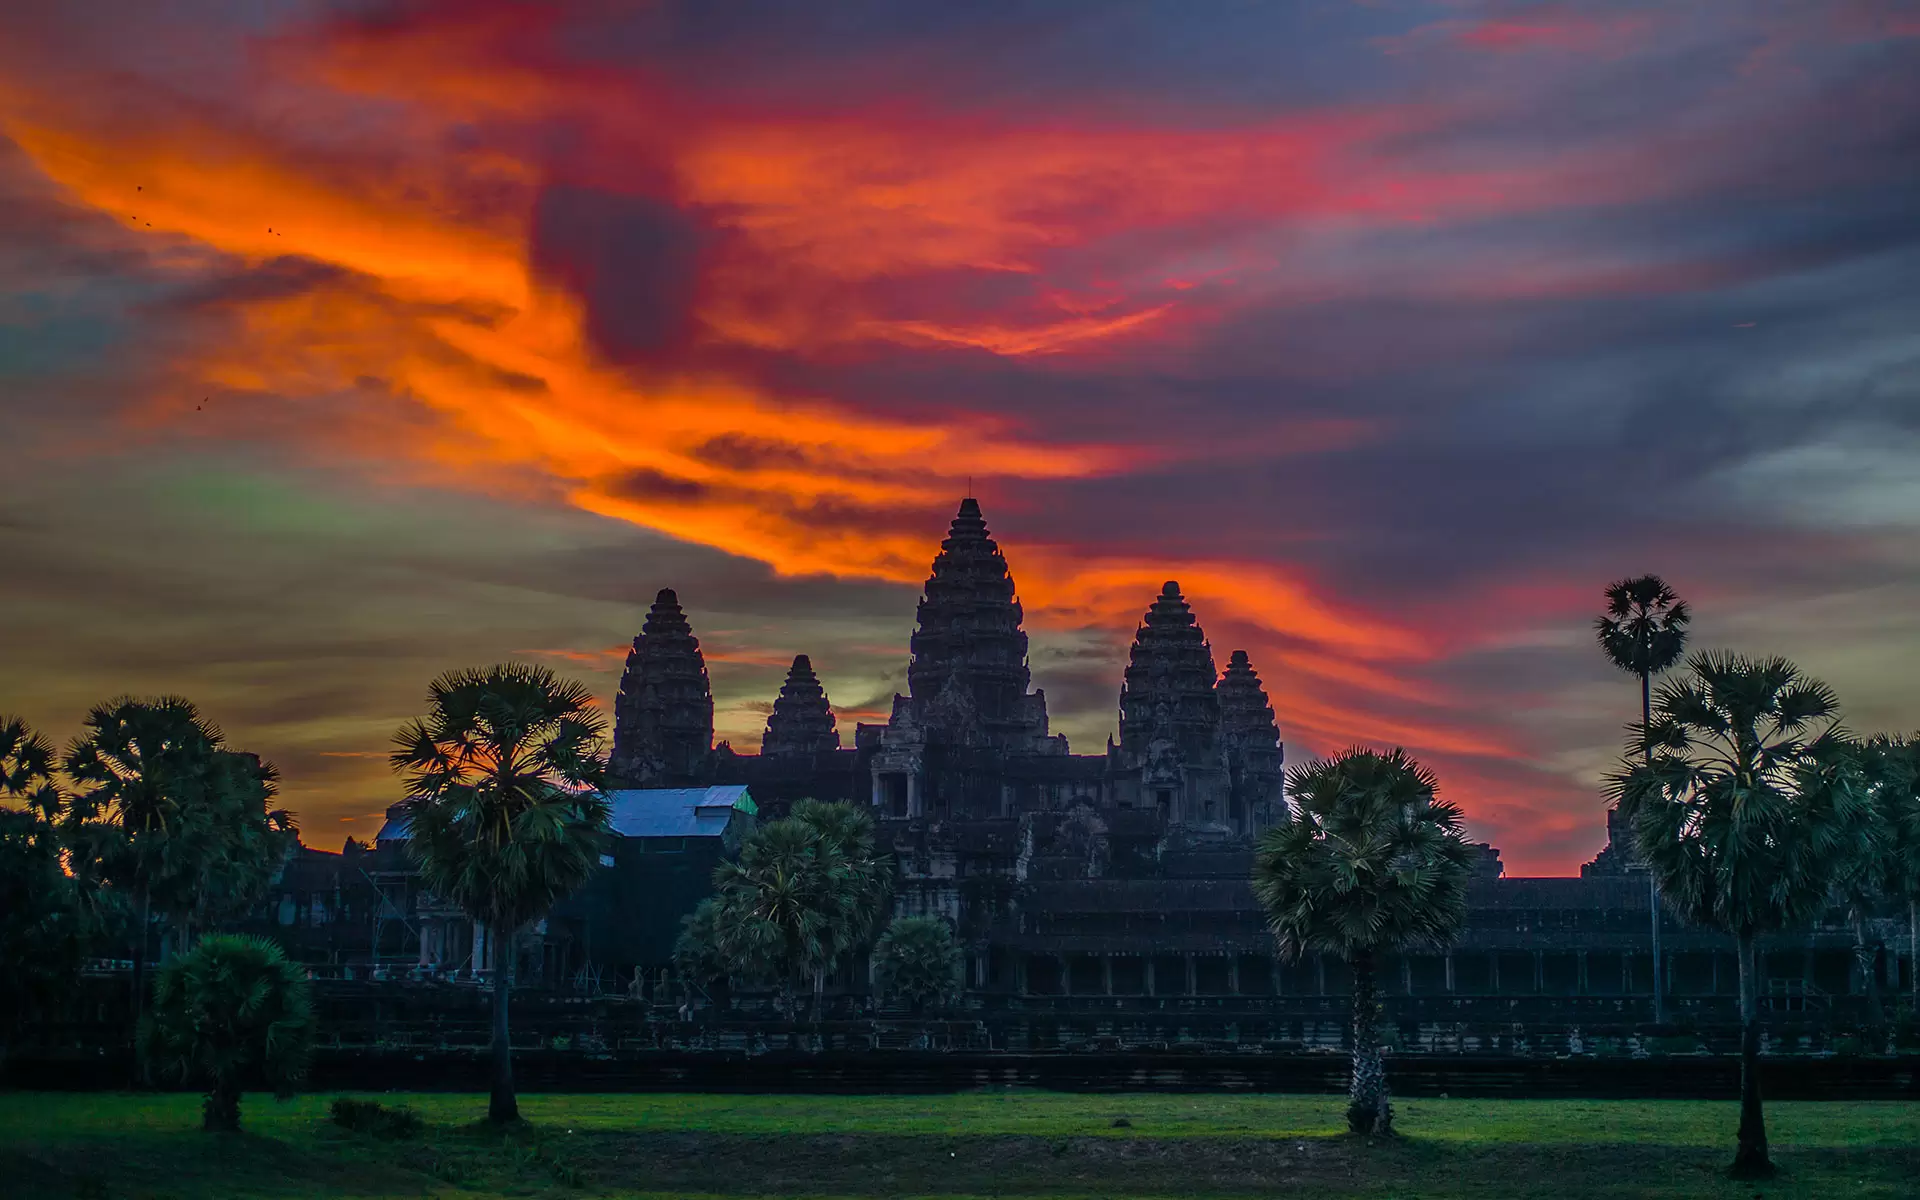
x=968, y=644
x=801, y=723
x=1252, y=741
x=663, y=717
x=1168, y=693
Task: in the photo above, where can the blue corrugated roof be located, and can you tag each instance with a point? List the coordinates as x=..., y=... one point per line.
x=653, y=812
x=677, y=812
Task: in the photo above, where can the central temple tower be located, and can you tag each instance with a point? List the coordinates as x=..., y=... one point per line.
x=968, y=678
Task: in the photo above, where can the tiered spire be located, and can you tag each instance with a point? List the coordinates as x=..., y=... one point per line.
x=801, y=723
x=968, y=634
x=1246, y=715
x=663, y=718
x=1169, y=683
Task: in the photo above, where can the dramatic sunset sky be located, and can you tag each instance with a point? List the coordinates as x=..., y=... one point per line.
x=344, y=343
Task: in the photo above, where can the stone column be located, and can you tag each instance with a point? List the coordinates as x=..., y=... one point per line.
x=1493, y=971
x=1066, y=973
x=1539, y=971
x=1151, y=991
x=879, y=792
x=1449, y=961
x=1233, y=974
x=1320, y=974
x=1580, y=983
x=1192, y=984
x=1106, y=974
x=913, y=794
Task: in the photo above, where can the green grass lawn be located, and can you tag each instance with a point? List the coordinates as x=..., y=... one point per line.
x=1014, y=1143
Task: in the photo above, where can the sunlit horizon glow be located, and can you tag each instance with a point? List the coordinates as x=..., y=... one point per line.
x=451, y=331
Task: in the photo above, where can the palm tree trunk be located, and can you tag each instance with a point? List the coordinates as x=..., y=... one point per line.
x=1653, y=888
x=819, y=992
x=220, y=1112
x=502, y=1107
x=1913, y=951
x=1750, y=1159
x=1367, y=1109
x=143, y=904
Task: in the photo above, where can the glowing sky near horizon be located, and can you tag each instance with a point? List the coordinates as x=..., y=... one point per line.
x=344, y=343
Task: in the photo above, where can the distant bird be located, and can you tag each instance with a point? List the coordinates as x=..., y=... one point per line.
x=136, y=187
x=1746, y=324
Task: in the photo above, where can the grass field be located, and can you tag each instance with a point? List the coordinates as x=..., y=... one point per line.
x=1015, y=1143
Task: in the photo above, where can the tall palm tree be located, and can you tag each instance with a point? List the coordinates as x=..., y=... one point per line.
x=1370, y=863
x=1644, y=632
x=1747, y=803
x=1892, y=766
x=504, y=812
x=141, y=766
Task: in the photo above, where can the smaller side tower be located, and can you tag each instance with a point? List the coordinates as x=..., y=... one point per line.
x=1255, y=754
x=801, y=723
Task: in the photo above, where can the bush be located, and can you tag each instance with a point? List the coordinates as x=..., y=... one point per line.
x=230, y=1011
x=373, y=1117
x=916, y=960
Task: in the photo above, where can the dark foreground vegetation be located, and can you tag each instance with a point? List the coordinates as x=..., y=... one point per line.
x=988, y=1143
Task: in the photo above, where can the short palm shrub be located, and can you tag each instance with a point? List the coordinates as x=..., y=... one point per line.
x=231, y=1011
x=375, y=1118
x=917, y=961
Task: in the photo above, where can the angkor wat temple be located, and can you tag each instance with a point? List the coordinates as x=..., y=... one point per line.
x=1118, y=881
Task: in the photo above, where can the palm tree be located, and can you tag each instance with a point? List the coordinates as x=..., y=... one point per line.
x=26, y=767
x=1644, y=632
x=42, y=926
x=1892, y=766
x=231, y=1008
x=1746, y=804
x=805, y=892
x=861, y=880
x=504, y=812
x=141, y=765
x=917, y=960
x=227, y=847
x=1371, y=862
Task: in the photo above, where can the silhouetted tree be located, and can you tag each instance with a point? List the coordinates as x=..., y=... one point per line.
x=1644, y=632
x=142, y=768
x=917, y=960
x=504, y=812
x=42, y=925
x=805, y=892
x=1892, y=769
x=1370, y=863
x=1747, y=804
x=231, y=1008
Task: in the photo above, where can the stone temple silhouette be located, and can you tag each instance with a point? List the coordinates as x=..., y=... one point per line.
x=1084, y=888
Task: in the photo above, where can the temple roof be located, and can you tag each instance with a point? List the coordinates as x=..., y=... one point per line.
x=802, y=721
